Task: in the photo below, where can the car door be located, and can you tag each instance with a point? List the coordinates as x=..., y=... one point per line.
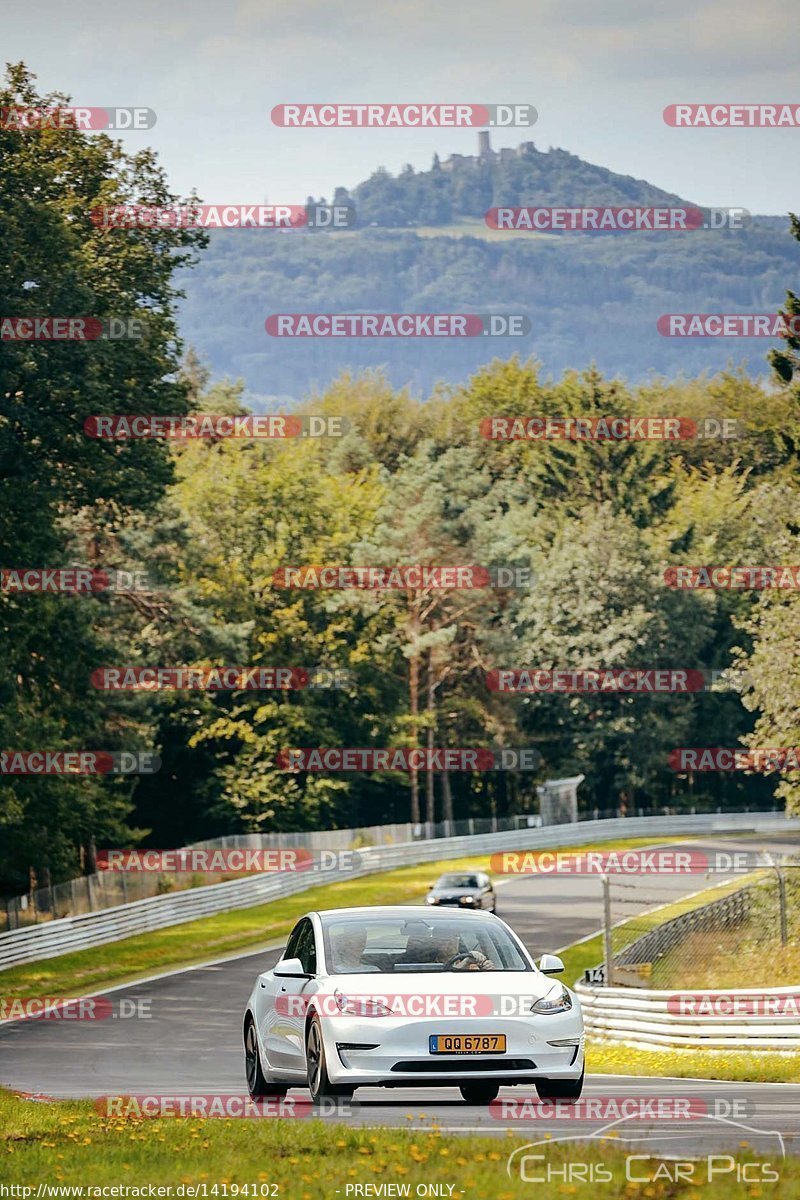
x=285, y=1046
x=272, y=1007
x=487, y=892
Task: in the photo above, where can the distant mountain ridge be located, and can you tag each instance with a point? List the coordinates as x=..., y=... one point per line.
x=465, y=186
x=421, y=245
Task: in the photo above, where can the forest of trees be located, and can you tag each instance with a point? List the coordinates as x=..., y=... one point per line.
x=413, y=481
x=466, y=186
x=591, y=299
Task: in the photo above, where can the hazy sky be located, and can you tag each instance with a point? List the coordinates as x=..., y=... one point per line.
x=599, y=72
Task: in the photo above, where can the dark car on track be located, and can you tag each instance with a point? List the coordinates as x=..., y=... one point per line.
x=463, y=889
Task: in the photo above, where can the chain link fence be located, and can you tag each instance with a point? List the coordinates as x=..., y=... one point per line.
x=747, y=935
x=107, y=889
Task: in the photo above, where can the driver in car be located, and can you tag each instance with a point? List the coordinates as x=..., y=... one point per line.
x=453, y=954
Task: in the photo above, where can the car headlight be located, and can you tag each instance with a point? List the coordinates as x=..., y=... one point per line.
x=431, y=900
x=552, y=1003
x=361, y=1006
x=466, y=900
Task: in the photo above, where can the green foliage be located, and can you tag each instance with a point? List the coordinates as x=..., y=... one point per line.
x=62, y=493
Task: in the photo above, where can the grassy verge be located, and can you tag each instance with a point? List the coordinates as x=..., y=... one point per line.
x=226, y=933
x=722, y=958
x=609, y=1058
x=70, y=1143
x=590, y=952
x=619, y=1059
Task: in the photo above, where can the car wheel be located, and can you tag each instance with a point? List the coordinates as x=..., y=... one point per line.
x=319, y=1084
x=479, y=1093
x=560, y=1089
x=257, y=1083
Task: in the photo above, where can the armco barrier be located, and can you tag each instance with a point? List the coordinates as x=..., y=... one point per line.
x=157, y=912
x=643, y=1018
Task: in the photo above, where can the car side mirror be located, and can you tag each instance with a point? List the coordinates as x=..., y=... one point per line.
x=290, y=968
x=550, y=964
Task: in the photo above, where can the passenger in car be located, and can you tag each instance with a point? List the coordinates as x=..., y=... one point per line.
x=347, y=947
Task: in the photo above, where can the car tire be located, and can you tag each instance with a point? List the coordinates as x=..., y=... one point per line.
x=257, y=1083
x=560, y=1089
x=479, y=1093
x=319, y=1083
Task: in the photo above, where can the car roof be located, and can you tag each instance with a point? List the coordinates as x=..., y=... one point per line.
x=387, y=910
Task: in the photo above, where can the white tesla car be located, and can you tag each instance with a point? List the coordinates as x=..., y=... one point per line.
x=409, y=997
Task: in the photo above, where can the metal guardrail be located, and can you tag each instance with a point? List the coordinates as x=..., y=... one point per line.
x=646, y=1018
x=158, y=912
x=107, y=889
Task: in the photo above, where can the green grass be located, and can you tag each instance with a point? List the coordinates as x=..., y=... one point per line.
x=615, y=1058
x=133, y=958
x=69, y=1142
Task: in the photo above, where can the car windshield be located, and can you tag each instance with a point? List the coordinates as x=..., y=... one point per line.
x=458, y=881
x=395, y=945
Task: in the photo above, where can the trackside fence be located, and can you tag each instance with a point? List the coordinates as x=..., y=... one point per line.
x=78, y=932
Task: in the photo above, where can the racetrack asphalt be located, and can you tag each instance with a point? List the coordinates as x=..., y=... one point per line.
x=191, y=1042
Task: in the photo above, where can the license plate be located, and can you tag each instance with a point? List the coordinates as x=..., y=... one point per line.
x=467, y=1043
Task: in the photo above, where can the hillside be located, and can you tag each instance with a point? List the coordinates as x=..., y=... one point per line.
x=422, y=246
x=465, y=186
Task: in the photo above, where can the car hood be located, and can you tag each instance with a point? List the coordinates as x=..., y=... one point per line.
x=443, y=983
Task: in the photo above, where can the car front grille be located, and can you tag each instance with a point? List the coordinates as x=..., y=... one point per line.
x=449, y=1066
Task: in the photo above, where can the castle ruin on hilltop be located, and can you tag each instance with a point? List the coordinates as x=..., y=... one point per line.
x=486, y=153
